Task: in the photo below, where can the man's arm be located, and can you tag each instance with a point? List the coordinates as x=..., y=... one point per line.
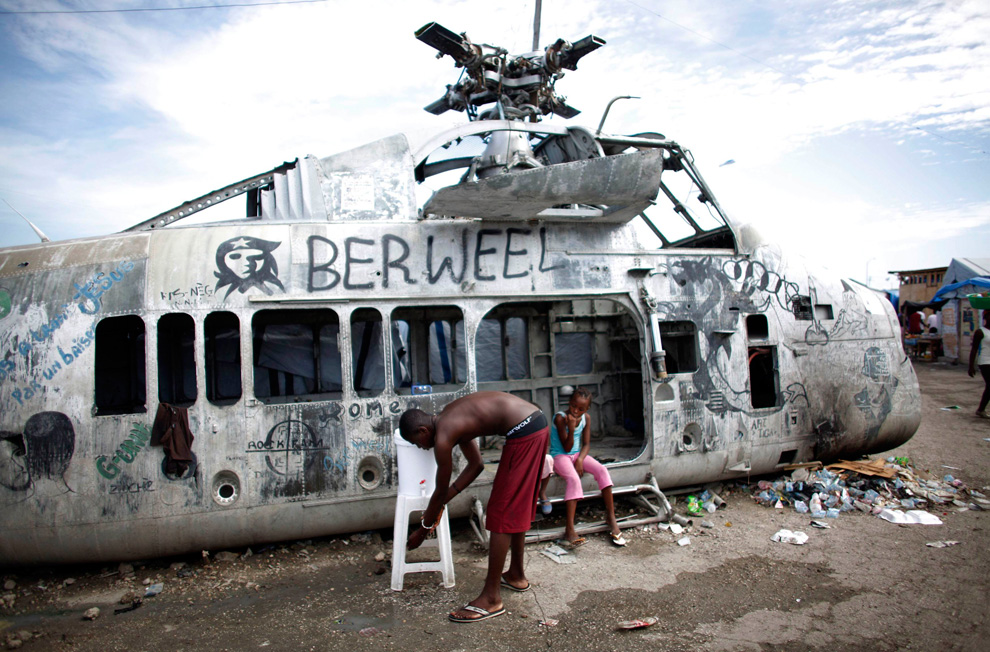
x=442, y=454
x=445, y=467
x=977, y=338
x=475, y=465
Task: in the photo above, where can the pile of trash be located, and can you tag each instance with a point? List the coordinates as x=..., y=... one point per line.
x=871, y=486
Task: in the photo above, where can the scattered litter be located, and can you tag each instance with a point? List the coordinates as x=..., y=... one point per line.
x=675, y=528
x=92, y=613
x=821, y=525
x=684, y=541
x=549, y=622
x=707, y=525
x=912, y=517
x=870, y=486
x=951, y=407
x=954, y=468
x=153, y=590
x=786, y=536
x=638, y=623
x=369, y=631
x=558, y=554
x=942, y=544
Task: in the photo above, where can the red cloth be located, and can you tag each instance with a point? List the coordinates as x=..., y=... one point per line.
x=914, y=322
x=512, y=505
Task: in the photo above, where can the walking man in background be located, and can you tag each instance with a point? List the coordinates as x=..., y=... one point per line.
x=979, y=356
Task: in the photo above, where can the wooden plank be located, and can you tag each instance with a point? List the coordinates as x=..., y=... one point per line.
x=875, y=467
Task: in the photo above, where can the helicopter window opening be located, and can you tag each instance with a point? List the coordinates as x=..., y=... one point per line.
x=488, y=351
x=801, y=307
x=223, y=358
x=428, y=349
x=757, y=327
x=573, y=353
x=120, y=372
x=668, y=221
x=296, y=355
x=763, y=376
x=516, y=347
x=787, y=457
x=176, y=360
x=679, y=222
x=592, y=343
x=501, y=349
x=367, y=352
x=680, y=343
x=823, y=311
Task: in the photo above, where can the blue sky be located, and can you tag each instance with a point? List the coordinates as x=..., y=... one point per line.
x=860, y=130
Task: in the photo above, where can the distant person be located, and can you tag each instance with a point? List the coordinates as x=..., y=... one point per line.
x=979, y=355
x=914, y=323
x=512, y=505
x=570, y=442
x=933, y=323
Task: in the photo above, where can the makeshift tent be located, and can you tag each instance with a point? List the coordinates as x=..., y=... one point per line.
x=967, y=287
x=963, y=276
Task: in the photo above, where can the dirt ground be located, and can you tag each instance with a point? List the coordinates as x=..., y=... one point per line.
x=865, y=584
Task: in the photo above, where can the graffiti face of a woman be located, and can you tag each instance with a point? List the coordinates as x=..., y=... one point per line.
x=244, y=262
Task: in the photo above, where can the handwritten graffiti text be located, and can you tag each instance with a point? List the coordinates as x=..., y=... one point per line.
x=127, y=452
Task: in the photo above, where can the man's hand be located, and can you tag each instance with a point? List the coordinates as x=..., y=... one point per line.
x=416, y=538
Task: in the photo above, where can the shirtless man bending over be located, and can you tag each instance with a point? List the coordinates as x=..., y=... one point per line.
x=512, y=505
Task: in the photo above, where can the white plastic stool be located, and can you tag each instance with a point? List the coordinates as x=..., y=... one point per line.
x=417, y=479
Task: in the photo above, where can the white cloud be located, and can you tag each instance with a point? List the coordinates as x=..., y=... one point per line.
x=150, y=110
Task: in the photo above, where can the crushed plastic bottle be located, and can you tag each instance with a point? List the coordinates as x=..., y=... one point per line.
x=693, y=507
x=832, y=512
x=801, y=507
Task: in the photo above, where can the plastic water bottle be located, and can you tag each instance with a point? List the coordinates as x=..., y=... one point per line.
x=815, y=505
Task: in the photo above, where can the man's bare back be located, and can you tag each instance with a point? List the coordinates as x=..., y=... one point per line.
x=478, y=415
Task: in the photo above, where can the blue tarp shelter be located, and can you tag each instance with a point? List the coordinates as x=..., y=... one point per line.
x=962, y=277
x=948, y=291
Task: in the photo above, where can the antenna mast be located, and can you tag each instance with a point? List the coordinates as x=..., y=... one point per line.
x=37, y=231
x=536, y=25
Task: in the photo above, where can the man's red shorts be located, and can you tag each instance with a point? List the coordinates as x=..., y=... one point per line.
x=512, y=505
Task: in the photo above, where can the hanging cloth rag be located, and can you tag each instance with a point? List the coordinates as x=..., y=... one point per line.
x=171, y=431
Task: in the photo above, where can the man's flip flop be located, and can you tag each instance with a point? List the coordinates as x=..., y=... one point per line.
x=618, y=539
x=571, y=545
x=506, y=585
x=483, y=614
